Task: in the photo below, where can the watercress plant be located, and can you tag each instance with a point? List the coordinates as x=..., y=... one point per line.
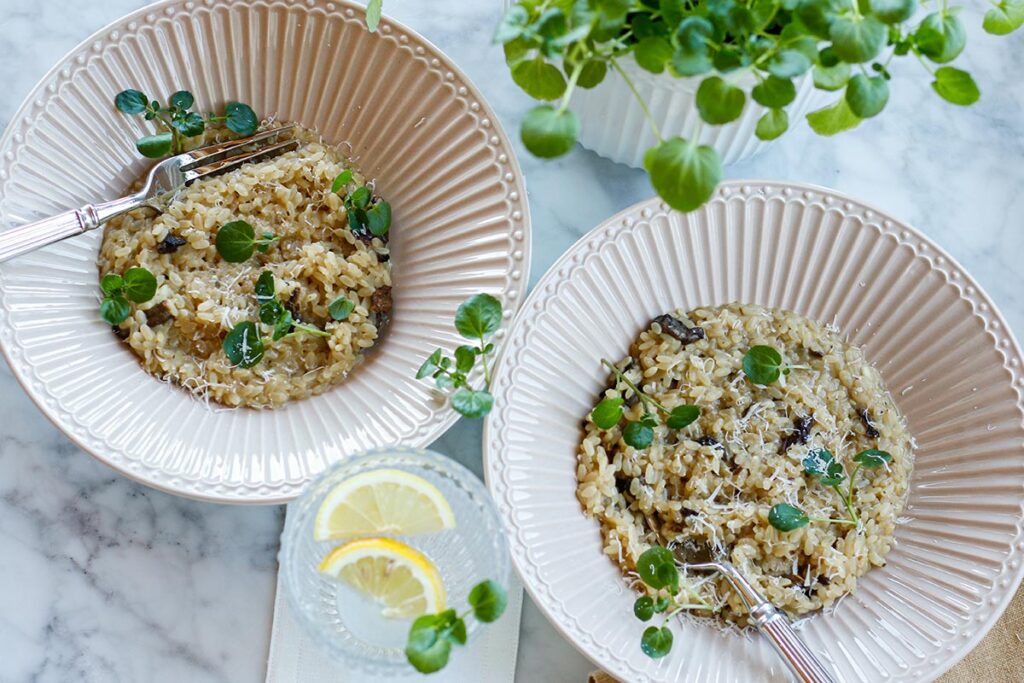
x=553, y=47
x=137, y=285
x=236, y=241
x=367, y=215
x=656, y=567
x=476, y=319
x=431, y=636
x=177, y=121
x=822, y=465
x=639, y=433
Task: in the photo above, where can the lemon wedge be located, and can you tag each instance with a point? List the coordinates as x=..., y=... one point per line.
x=398, y=576
x=382, y=501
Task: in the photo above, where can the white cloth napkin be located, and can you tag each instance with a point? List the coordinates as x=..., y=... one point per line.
x=490, y=656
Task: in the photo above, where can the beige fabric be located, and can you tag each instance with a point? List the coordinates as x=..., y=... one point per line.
x=998, y=658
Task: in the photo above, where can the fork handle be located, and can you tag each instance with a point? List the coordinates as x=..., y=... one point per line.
x=779, y=632
x=31, y=236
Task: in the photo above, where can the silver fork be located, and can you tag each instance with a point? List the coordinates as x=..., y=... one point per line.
x=164, y=181
x=764, y=616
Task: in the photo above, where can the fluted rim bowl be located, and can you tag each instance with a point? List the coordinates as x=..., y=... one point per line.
x=942, y=347
x=415, y=124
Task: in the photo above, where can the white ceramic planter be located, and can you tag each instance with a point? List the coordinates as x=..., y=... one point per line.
x=613, y=124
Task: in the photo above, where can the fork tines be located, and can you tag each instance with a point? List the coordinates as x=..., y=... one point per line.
x=228, y=155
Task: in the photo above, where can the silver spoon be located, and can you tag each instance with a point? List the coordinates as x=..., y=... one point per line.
x=767, y=618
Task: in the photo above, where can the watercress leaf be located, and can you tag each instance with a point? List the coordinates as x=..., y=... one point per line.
x=341, y=308
x=131, y=102
x=643, y=608
x=115, y=309
x=638, y=435
x=1006, y=17
x=684, y=174
x=762, y=12
x=155, y=146
x=772, y=124
x=649, y=563
x=341, y=180
x=241, y=118
x=817, y=15
x=592, y=73
x=690, y=63
x=940, y=37
x=111, y=283
x=189, y=124
x=424, y=649
x=243, y=345
x=360, y=197
x=835, y=474
x=283, y=325
x=478, y=317
x=867, y=95
x=516, y=50
x=788, y=64
x=661, y=604
x=728, y=58
x=472, y=404
x=893, y=11
x=552, y=23
x=762, y=365
x=549, y=133
x=538, y=79
x=774, y=92
x=607, y=413
x=857, y=39
x=833, y=119
x=182, y=100
x=682, y=416
x=139, y=285
x=955, y=85
x=652, y=53
x=831, y=77
x=378, y=218
x=719, y=102
x=264, y=287
x=692, y=34
x=271, y=311
x=785, y=517
x=817, y=461
x=236, y=241
x=488, y=600
x=872, y=458
x=656, y=642
x=512, y=24
x=456, y=632
x=465, y=358
x=430, y=365
x=445, y=382
x=373, y=11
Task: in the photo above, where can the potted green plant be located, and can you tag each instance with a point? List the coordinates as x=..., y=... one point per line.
x=748, y=64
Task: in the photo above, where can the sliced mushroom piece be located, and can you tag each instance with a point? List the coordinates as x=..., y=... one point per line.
x=170, y=244
x=869, y=425
x=158, y=315
x=801, y=432
x=674, y=327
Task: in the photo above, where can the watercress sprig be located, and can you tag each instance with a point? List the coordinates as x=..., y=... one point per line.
x=553, y=47
x=137, y=285
x=367, y=215
x=764, y=365
x=656, y=567
x=477, y=319
x=822, y=465
x=237, y=242
x=178, y=122
x=431, y=636
x=639, y=433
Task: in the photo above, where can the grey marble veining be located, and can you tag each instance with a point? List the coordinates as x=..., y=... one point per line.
x=104, y=580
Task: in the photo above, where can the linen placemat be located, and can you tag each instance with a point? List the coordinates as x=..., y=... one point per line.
x=490, y=656
x=998, y=658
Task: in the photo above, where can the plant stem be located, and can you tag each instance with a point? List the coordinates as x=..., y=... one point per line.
x=483, y=359
x=636, y=390
x=829, y=520
x=849, y=505
x=308, y=329
x=643, y=104
x=570, y=88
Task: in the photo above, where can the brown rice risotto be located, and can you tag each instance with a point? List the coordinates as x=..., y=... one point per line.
x=712, y=483
x=315, y=258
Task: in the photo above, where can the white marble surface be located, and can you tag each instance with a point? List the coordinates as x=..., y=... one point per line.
x=104, y=580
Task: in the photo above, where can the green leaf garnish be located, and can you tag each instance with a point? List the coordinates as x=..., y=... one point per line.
x=772, y=124
x=488, y=600
x=867, y=95
x=341, y=180
x=548, y=132
x=643, y=608
x=265, y=287
x=111, y=283
x=656, y=567
x=478, y=317
x=378, y=218
x=940, y=37
x=139, y=285
x=241, y=118
x=681, y=416
x=431, y=365
x=656, y=642
x=115, y=309
x=762, y=365
x=340, y=308
x=956, y=86
x=833, y=119
x=856, y=38
x=685, y=174
x=718, y=102
x=373, y=11
x=432, y=636
x=638, y=434
x=774, y=92
x=1005, y=17
x=182, y=100
x=243, y=345
x=472, y=404
x=785, y=517
x=236, y=241
x=607, y=413
x=540, y=80
x=131, y=102
x=155, y=146
x=873, y=458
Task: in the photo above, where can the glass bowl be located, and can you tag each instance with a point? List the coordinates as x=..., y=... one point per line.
x=349, y=627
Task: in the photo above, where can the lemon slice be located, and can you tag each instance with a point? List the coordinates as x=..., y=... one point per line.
x=382, y=501
x=399, y=577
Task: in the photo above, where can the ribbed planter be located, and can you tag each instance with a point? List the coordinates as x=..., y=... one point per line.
x=612, y=122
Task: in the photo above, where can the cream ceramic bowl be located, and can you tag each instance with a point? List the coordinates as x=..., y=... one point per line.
x=943, y=349
x=414, y=123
